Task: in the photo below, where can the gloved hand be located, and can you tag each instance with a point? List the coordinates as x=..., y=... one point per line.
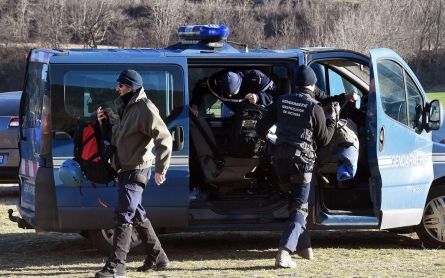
x=333, y=110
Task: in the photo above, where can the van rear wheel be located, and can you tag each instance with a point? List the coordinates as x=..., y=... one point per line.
x=432, y=228
x=103, y=239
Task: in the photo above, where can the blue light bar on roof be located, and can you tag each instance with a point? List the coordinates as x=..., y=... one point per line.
x=204, y=32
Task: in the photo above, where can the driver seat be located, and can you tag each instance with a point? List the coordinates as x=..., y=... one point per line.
x=232, y=170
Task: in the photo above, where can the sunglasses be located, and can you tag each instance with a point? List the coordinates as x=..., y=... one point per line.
x=121, y=85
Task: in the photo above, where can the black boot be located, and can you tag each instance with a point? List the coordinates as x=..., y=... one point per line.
x=156, y=258
x=116, y=264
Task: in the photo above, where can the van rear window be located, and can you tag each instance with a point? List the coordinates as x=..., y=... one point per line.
x=77, y=91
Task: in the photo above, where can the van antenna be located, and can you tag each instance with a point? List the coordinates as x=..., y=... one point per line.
x=246, y=48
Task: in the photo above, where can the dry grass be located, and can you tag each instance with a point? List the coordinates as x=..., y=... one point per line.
x=222, y=254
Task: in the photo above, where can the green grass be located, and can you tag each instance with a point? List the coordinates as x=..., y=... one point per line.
x=437, y=95
x=369, y=253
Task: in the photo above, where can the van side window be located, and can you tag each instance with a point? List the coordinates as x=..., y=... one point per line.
x=78, y=91
x=401, y=99
x=339, y=85
x=415, y=104
x=33, y=93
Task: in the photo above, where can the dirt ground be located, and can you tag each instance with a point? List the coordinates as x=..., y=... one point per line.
x=370, y=253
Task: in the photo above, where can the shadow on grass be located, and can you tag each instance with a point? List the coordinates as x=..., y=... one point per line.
x=20, y=250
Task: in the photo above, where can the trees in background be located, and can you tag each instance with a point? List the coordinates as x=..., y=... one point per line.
x=414, y=29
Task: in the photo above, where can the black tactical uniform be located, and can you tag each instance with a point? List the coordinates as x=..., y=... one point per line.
x=301, y=127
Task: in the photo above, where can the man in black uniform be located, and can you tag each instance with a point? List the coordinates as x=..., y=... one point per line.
x=301, y=128
x=232, y=87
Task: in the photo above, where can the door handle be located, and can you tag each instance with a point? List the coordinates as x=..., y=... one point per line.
x=382, y=139
x=178, y=138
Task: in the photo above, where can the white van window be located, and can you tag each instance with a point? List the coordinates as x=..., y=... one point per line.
x=77, y=91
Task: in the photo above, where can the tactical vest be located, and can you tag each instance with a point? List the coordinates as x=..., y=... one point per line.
x=295, y=126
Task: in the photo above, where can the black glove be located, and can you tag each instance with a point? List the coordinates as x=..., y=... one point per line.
x=333, y=110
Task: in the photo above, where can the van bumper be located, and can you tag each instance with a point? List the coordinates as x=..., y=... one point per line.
x=27, y=217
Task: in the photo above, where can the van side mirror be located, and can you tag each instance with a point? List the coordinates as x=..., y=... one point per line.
x=434, y=118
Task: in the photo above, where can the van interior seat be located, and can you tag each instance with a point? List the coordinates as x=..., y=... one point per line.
x=234, y=169
x=285, y=86
x=276, y=80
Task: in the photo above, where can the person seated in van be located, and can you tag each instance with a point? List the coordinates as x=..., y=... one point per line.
x=232, y=87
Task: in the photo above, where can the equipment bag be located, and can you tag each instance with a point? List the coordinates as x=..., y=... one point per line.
x=93, y=154
x=243, y=141
x=343, y=149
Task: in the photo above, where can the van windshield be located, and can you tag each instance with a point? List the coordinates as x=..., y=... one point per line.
x=77, y=91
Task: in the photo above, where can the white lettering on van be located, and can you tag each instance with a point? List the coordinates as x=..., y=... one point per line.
x=406, y=160
x=29, y=188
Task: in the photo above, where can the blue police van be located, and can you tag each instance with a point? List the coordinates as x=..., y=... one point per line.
x=400, y=181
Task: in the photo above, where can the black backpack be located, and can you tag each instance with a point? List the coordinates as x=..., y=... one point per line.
x=93, y=154
x=243, y=141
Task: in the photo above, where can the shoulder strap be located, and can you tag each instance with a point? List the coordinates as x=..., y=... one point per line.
x=220, y=97
x=307, y=97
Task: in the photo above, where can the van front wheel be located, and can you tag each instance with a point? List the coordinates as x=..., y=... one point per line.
x=432, y=228
x=103, y=239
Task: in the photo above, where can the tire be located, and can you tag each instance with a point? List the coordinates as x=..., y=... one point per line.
x=103, y=239
x=431, y=230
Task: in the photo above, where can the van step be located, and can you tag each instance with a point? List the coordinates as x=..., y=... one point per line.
x=242, y=207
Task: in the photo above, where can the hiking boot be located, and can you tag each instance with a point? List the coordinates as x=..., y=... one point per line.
x=152, y=266
x=283, y=259
x=107, y=273
x=307, y=253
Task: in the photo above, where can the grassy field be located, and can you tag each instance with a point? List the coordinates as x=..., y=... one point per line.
x=437, y=95
x=24, y=253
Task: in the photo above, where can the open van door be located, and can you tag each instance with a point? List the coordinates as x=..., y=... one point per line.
x=399, y=147
x=37, y=208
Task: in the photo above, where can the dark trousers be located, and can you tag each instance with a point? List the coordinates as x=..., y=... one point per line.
x=129, y=207
x=129, y=212
x=295, y=233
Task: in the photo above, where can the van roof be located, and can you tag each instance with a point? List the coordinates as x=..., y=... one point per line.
x=198, y=50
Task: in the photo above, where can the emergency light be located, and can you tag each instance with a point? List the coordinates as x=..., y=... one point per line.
x=211, y=32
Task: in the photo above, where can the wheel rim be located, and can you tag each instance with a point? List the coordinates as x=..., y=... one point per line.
x=434, y=218
x=108, y=236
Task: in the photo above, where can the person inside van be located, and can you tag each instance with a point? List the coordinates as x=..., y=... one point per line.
x=140, y=128
x=232, y=87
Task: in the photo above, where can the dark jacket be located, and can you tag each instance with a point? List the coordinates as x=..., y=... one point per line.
x=323, y=128
x=324, y=98
x=253, y=81
x=348, y=111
